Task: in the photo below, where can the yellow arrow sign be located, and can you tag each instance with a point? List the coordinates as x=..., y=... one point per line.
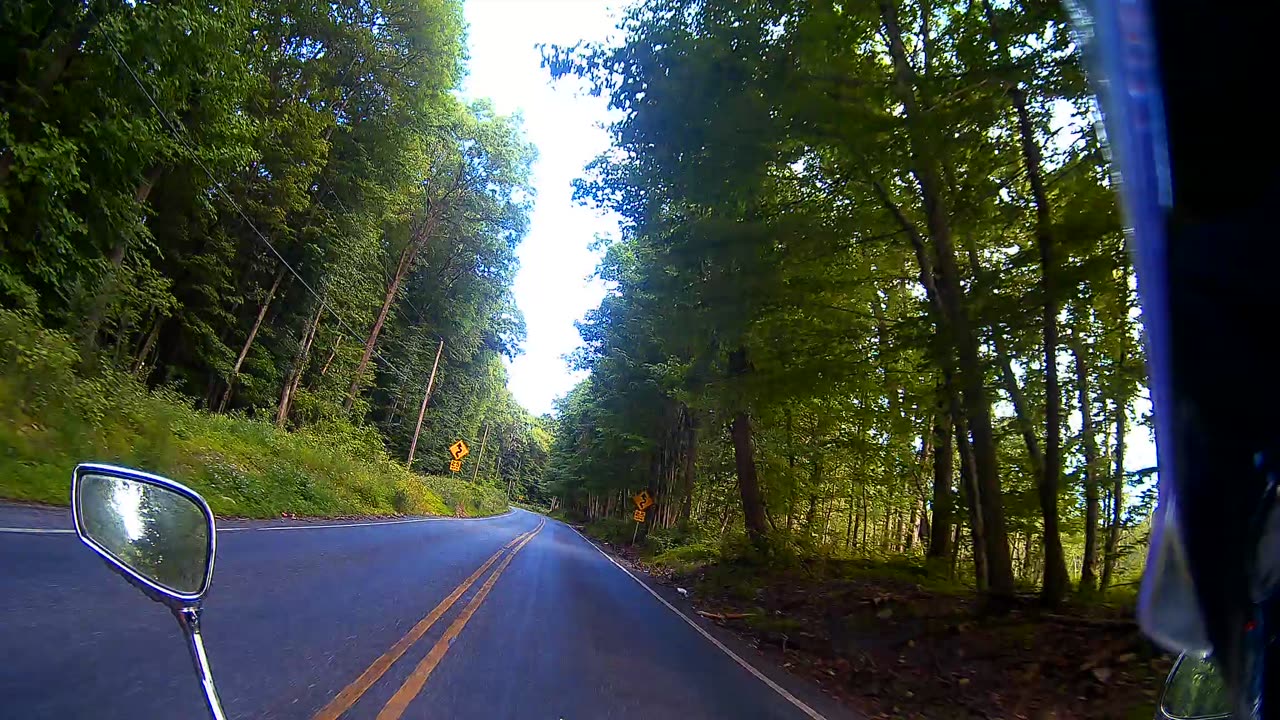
x=459, y=450
x=643, y=500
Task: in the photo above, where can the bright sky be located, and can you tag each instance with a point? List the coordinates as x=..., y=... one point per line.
x=553, y=287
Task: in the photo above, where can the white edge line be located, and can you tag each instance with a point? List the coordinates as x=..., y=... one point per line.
x=60, y=531
x=803, y=707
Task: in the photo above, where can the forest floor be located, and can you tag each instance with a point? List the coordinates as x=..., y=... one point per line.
x=892, y=643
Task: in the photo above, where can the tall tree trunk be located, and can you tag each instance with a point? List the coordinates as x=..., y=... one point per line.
x=388, y=299
x=140, y=358
x=791, y=466
x=1111, y=555
x=748, y=482
x=957, y=326
x=911, y=528
x=332, y=354
x=248, y=342
x=972, y=501
x=753, y=512
x=690, y=458
x=98, y=304
x=480, y=456
x=866, y=517
x=1021, y=413
x=943, y=471
x=857, y=515
x=956, y=539
x=419, y=235
x=294, y=377
x=1021, y=409
x=848, y=526
x=886, y=537
x=1055, y=572
x=1088, y=576
x=1055, y=564
x=810, y=513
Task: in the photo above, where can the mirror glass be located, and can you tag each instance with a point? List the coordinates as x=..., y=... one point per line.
x=159, y=533
x=1196, y=691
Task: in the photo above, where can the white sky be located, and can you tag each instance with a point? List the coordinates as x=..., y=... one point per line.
x=552, y=287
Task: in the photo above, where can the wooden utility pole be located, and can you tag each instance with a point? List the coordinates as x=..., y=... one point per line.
x=480, y=456
x=413, y=447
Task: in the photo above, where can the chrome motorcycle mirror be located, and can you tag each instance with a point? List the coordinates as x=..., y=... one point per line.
x=160, y=536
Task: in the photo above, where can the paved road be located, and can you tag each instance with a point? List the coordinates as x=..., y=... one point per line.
x=334, y=621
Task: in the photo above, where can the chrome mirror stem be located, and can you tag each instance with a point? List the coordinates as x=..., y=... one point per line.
x=189, y=619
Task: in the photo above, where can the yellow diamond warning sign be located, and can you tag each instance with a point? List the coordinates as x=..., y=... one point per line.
x=643, y=500
x=459, y=450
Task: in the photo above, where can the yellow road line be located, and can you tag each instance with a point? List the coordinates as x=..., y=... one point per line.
x=351, y=693
x=399, y=702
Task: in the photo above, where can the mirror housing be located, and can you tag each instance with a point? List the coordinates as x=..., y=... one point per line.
x=157, y=533
x=1194, y=691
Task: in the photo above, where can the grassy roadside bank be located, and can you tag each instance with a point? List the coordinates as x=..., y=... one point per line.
x=52, y=417
x=891, y=640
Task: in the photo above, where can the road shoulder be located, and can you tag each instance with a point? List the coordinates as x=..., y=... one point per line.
x=808, y=692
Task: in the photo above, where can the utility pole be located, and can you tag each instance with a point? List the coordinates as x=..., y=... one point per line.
x=413, y=447
x=481, y=455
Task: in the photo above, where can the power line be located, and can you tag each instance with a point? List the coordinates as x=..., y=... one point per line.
x=173, y=128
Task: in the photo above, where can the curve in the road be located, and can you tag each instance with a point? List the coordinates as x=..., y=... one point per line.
x=322, y=626
x=358, y=687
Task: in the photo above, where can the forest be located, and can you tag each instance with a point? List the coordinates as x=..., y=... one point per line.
x=279, y=213
x=870, y=298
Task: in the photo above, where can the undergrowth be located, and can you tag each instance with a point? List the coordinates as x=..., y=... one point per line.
x=52, y=416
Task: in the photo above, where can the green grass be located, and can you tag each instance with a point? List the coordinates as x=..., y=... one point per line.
x=52, y=417
x=611, y=529
x=687, y=558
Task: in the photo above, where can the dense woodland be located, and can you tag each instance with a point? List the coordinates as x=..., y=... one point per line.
x=871, y=295
x=277, y=209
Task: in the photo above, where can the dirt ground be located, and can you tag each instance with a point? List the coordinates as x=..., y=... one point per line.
x=893, y=646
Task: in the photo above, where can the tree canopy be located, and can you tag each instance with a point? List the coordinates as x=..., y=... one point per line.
x=275, y=208
x=870, y=294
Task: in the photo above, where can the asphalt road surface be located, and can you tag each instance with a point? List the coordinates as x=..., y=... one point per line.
x=507, y=617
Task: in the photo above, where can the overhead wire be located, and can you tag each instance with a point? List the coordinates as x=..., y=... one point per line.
x=173, y=128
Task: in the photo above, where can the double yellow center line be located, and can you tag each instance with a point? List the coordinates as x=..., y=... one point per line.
x=399, y=702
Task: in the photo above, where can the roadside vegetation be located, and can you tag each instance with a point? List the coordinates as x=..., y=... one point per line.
x=872, y=344
x=898, y=640
x=52, y=418
x=233, y=245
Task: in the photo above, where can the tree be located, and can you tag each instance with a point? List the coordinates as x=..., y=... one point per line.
x=214, y=201
x=831, y=216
